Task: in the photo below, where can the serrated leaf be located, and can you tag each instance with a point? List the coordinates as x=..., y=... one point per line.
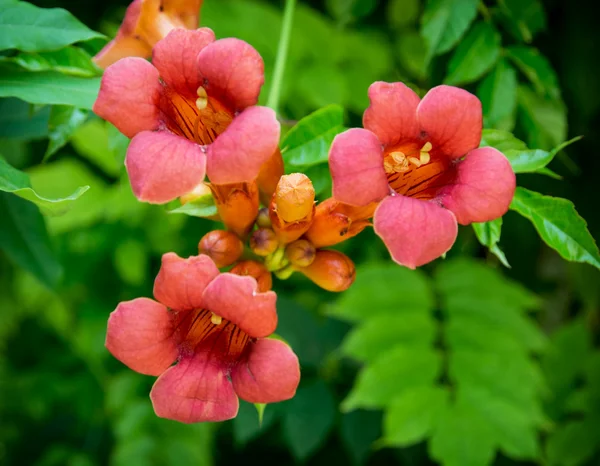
x=69, y=60
x=475, y=55
x=24, y=239
x=29, y=28
x=389, y=375
x=48, y=87
x=488, y=234
x=558, y=224
x=544, y=119
x=444, y=22
x=372, y=295
x=501, y=140
x=307, y=143
x=536, y=68
x=16, y=182
x=463, y=332
x=498, y=95
x=308, y=419
x=413, y=415
x=378, y=334
x=359, y=430
x=62, y=124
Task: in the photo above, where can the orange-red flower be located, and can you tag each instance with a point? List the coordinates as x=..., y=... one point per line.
x=145, y=23
x=214, y=325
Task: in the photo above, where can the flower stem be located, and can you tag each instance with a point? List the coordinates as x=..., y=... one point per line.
x=284, y=41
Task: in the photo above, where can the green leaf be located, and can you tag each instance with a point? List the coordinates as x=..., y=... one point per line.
x=488, y=234
x=48, y=87
x=19, y=121
x=536, y=68
x=402, y=12
x=412, y=52
x=70, y=60
x=246, y=425
x=523, y=19
x=32, y=29
x=475, y=55
x=92, y=141
x=17, y=182
x=24, y=239
x=371, y=294
x=64, y=121
x=412, y=415
x=445, y=21
x=501, y=140
x=498, y=95
x=559, y=225
x=202, y=207
x=544, y=119
x=574, y=443
x=308, y=142
x=398, y=369
x=359, y=430
x=308, y=419
x=528, y=161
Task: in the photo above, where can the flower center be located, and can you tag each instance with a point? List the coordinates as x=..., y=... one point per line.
x=413, y=171
x=222, y=337
x=200, y=118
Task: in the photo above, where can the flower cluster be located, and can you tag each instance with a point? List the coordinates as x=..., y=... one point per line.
x=196, y=132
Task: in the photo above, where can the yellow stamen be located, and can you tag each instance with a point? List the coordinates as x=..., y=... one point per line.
x=215, y=319
x=202, y=100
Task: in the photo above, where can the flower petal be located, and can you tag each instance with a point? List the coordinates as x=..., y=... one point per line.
x=356, y=165
x=238, y=154
x=181, y=282
x=140, y=335
x=483, y=188
x=392, y=114
x=270, y=374
x=162, y=166
x=234, y=70
x=452, y=119
x=176, y=55
x=128, y=97
x=414, y=231
x=187, y=11
x=121, y=47
x=236, y=299
x=195, y=390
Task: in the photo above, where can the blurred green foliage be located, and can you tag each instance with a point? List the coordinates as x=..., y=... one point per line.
x=462, y=363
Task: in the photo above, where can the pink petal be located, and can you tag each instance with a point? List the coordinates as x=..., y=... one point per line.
x=452, y=119
x=271, y=373
x=140, y=335
x=236, y=299
x=238, y=154
x=181, y=282
x=129, y=93
x=356, y=165
x=392, y=115
x=162, y=166
x=483, y=188
x=414, y=231
x=195, y=390
x=234, y=70
x=176, y=55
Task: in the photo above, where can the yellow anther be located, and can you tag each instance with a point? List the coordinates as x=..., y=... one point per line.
x=202, y=100
x=215, y=319
x=426, y=147
x=396, y=162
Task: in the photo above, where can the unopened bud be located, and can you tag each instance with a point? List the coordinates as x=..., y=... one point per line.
x=256, y=270
x=199, y=191
x=237, y=205
x=223, y=247
x=331, y=270
x=294, y=197
x=263, y=220
x=263, y=242
x=269, y=175
x=300, y=253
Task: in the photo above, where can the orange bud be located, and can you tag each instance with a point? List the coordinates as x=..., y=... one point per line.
x=331, y=270
x=263, y=242
x=294, y=197
x=300, y=253
x=335, y=222
x=268, y=177
x=263, y=220
x=223, y=247
x=256, y=270
x=237, y=205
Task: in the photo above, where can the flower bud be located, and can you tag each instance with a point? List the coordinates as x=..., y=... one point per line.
x=256, y=270
x=263, y=220
x=237, y=205
x=294, y=198
x=300, y=253
x=268, y=177
x=331, y=270
x=263, y=242
x=223, y=247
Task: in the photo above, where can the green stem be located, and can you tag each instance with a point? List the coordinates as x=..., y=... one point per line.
x=284, y=41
